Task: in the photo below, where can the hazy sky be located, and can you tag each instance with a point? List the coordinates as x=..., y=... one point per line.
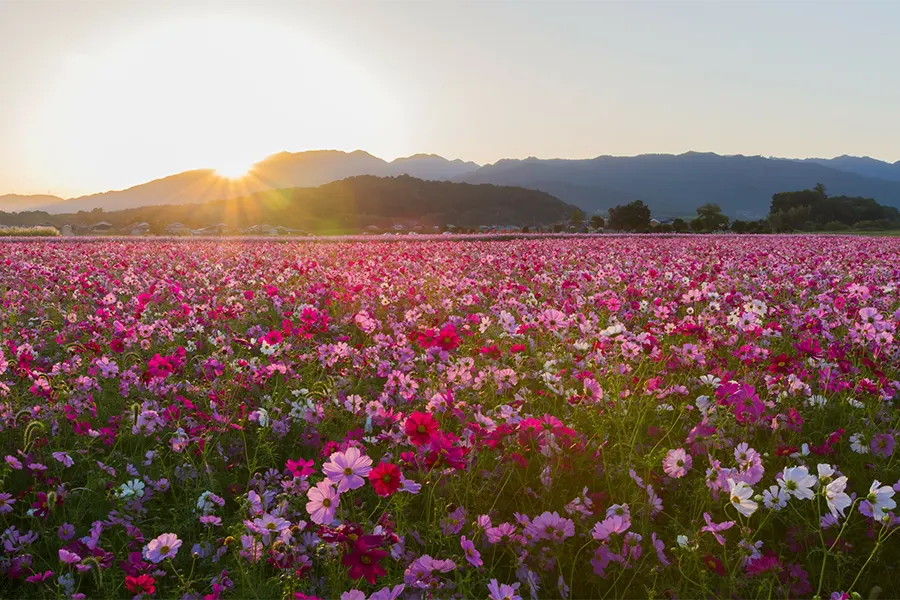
x=101, y=95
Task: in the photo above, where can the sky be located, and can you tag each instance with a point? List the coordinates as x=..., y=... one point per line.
x=98, y=95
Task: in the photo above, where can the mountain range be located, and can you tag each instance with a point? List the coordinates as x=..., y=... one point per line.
x=672, y=185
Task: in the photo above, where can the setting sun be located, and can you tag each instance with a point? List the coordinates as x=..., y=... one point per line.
x=221, y=93
x=235, y=170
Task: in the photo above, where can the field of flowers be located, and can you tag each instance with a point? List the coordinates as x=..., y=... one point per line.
x=684, y=417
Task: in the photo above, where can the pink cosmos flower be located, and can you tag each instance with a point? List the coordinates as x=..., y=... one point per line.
x=348, y=469
x=610, y=526
x=70, y=558
x=551, y=526
x=715, y=528
x=677, y=463
x=163, y=547
x=323, y=501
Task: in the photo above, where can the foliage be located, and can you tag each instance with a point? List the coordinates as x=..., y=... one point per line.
x=709, y=219
x=597, y=221
x=805, y=208
x=634, y=216
x=38, y=231
x=679, y=225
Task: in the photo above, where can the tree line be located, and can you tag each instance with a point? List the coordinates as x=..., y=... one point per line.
x=804, y=210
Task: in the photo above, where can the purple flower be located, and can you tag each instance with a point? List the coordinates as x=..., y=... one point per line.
x=660, y=550
x=388, y=593
x=6, y=502
x=882, y=444
x=502, y=591
x=454, y=522
x=66, y=531
x=472, y=555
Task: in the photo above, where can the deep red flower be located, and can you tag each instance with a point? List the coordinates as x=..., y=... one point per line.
x=714, y=564
x=448, y=339
x=364, y=558
x=421, y=428
x=385, y=478
x=142, y=584
x=780, y=364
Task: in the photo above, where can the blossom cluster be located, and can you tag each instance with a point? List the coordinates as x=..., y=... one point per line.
x=696, y=416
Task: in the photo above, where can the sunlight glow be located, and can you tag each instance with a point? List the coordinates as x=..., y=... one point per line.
x=235, y=170
x=216, y=93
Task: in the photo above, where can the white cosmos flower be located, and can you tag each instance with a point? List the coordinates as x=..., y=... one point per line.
x=858, y=444
x=882, y=499
x=826, y=471
x=740, y=494
x=135, y=487
x=775, y=498
x=835, y=497
x=797, y=482
x=710, y=380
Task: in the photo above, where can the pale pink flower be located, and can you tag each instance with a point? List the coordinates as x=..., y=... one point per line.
x=677, y=463
x=348, y=469
x=163, y=547
x=323, y=501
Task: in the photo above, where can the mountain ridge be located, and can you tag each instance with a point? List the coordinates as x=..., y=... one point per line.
x=671, y=184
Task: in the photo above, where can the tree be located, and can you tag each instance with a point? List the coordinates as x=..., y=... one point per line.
x=577, y=216
x=790, y=219
x=710, y=218
x=634, y=216
x=597, y=222
x=739, y=226
x=679, y=225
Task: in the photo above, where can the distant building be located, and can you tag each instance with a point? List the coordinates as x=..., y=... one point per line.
x=101, y=227
x=67, y=230
x=178, y=229
x=217, y=229
x=141, y=228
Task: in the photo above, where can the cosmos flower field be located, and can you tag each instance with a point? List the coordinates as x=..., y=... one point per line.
x=613, y=417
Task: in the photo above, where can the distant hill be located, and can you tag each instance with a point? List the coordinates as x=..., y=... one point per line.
x=672, y=185
x=350, y=204
x=675, y=185
x=279, y=171
x=27, y=202
x=862, y=165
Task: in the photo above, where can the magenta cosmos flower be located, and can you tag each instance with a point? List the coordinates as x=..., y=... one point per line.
x=323, y=501
x=348, y=469
x=677, y=463
x=163, y=547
